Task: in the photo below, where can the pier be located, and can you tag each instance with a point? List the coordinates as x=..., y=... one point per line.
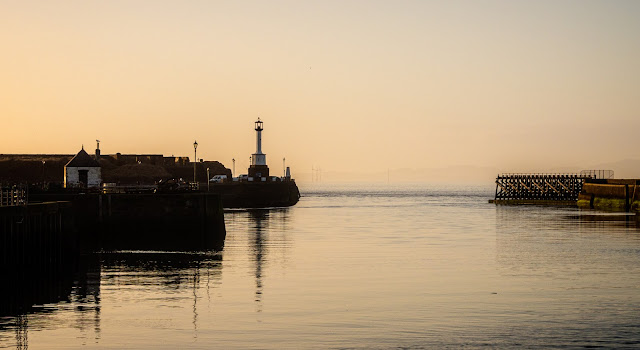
x=611, y=195
x=42, y=233
x=257, y=194
x=590, y=189
x=154, y=221
x=36, y=235
x=541, y=188
x=41, y=242
x=559, y=189
x=37, y=250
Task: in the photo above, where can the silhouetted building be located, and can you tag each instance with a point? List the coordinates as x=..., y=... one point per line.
x=82, y=171
x=153, y=159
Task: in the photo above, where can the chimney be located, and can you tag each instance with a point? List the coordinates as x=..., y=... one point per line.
x=98, y=151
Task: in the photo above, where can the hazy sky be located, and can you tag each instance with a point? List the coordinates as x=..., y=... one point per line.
x=343, y=85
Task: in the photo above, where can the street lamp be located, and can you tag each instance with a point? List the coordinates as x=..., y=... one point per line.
x=43, y=178
x=195, y=160
x=284, y=168
x=234, y=167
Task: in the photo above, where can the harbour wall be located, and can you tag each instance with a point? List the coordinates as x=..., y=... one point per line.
x=40, y=243
x=257, y=194
x=37, y=235
x=175, y=221
x=38, y=250
x=611, y=195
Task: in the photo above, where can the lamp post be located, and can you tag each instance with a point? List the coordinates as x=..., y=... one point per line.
x=43, y=178
x=208, y=179
x=284, y=168
x=234, y=167
x=195, y=160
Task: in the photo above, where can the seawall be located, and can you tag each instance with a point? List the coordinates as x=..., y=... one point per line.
x=38, y=250
x=37, y=235
x=175, y=221
x=257, y=194
x=611, y=195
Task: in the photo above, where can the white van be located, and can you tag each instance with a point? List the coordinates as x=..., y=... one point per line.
x=218, y=178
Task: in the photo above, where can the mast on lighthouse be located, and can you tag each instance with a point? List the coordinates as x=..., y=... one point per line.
x=258, y=169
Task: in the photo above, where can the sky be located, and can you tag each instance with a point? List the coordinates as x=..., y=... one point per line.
x=345, y=86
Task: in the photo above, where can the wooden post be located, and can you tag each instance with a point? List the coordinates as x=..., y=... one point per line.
x=627, y=205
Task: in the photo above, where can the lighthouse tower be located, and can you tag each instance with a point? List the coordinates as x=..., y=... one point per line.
x=258, y=168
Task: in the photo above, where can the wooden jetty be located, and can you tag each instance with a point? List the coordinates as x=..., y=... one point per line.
x=558, y=189
x=590, y=189
x=541, y=188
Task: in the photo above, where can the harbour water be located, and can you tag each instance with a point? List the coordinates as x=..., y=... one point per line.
x=373, y=266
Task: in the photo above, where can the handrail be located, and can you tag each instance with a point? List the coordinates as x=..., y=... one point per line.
x=13, y=195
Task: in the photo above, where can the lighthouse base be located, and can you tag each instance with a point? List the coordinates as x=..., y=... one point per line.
x=258, y=171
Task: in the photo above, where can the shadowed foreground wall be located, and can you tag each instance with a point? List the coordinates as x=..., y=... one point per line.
x=175, y=221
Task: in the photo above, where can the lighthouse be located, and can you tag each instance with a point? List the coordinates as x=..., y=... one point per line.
x=258, y=168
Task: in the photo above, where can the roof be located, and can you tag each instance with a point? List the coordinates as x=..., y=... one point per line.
x=82, y=159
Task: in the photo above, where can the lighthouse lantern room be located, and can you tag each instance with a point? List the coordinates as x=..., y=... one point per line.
x=258, y=168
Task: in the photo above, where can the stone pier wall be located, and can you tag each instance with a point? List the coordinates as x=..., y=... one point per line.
x=36, y=235
x=611, y=195
x=176, y=221
x=38, y=252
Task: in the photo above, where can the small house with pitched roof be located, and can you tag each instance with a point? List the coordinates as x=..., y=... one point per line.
x=82, y=171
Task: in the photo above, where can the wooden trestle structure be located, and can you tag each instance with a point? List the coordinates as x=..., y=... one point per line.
x=539, y=187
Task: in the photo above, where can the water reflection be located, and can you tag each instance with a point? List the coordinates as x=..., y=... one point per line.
x=258, y=218
x=72, y=302
x=147, y=291
x=86, y=297
x=169, y=277
x=266, y=234
x=33, y=300
x=569, y=272
x=550, y=240
x=628, y=220
x=261, y=222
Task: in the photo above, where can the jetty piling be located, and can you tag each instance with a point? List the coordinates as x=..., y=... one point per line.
x=591, y=189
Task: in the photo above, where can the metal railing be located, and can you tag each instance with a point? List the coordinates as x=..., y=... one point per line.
x=11, y=195
x=541, y=174
x=110, y=188
x=597, y=174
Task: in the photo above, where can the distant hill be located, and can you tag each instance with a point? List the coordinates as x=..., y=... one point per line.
x=627, y=168
x=454, y=174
